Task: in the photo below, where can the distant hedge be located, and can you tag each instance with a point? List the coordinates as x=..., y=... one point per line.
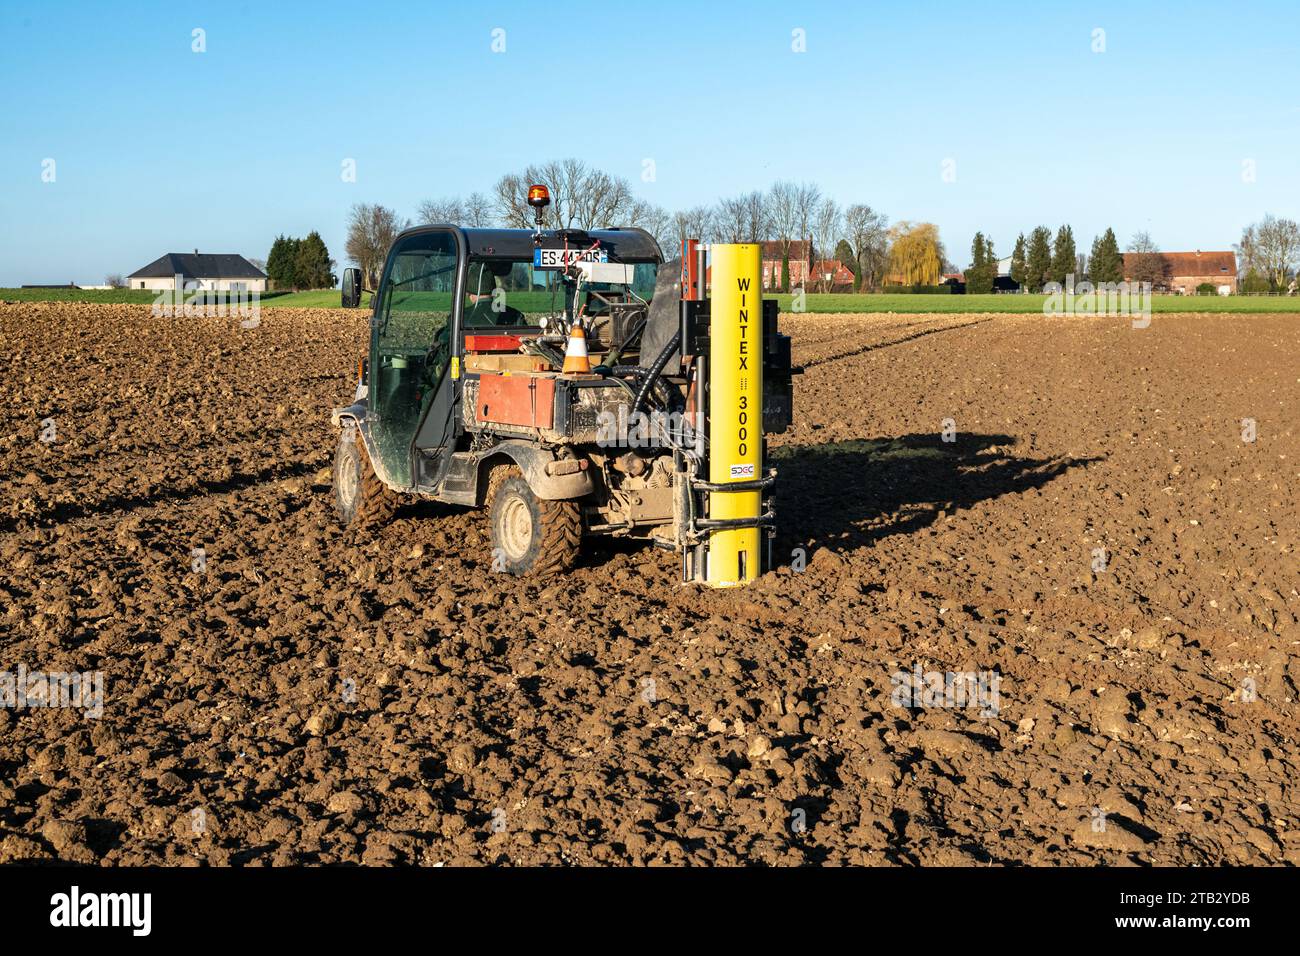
x=920, y=289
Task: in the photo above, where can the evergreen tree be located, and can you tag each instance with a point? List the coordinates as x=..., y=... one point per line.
x=1064, y=255
x=1114, y=257
x=1039, y=258
x=1107, y=261
x=1019, y=268
x=1096, y=257
x=785, y=271
x=984, y=267
x=313, y=267
x=281, y=263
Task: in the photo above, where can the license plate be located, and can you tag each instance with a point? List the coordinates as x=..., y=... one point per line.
x=560, y=258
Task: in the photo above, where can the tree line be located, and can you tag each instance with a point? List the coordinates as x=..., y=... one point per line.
x=1040, y=258
x=584, y=197
x=1268, y=259
x=877, y=254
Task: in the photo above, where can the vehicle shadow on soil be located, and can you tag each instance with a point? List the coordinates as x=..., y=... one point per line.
x=113, y=505
x=858, y=492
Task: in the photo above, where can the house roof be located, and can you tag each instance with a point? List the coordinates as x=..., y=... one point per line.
x=833, y=266
x=199, y=266
x=798, y=250
x=1196, y=263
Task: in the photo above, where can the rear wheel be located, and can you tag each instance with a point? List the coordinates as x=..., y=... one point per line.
x=361, y=499
x=530, y=536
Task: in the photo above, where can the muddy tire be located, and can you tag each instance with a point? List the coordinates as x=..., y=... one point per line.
x=530, y=537
x=362, y=501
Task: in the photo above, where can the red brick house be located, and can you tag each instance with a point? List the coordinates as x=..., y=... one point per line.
x=800, y=262
x=840, y=275
x=1184, y=271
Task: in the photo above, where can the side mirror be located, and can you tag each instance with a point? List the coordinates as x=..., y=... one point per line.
x=351, y=288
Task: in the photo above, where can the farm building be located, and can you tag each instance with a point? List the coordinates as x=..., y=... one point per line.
x=831, y=273
x=800, y=262
x=1184, y=271
x=224, y=272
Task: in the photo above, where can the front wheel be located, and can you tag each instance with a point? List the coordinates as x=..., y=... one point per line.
x=530, y=536
x=361, y=499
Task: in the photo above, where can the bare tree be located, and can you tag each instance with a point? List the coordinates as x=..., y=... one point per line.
x=570, y=181
x=1144, y=263
x=474, y=211
x=741, y=218
x=782, y=213
x=656, y=221
x=807, y=197
x=593, y=198
x=1249, y=256
x=758, y=218
x=510, y=195
x=371, y=231
x=450, y=210
x=477, y=211
x=694, y=223
x=828, y=227
x=729, y=220
x=115, y=281
x=582, y=197
x=867, y=232
x=1271, y=247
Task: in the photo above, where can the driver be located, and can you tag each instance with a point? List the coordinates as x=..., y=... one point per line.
x=480, y=286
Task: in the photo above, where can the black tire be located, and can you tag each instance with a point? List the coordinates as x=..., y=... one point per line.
x=362, y=501
x=530, y=537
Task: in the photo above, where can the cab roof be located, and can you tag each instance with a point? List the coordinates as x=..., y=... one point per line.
x=631, y=244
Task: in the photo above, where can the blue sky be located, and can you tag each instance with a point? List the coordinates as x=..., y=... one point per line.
x=160, y=149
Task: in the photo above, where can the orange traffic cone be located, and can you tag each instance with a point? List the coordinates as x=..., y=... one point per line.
x=575, y=355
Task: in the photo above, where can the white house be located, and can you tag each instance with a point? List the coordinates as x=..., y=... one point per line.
x=225, y=272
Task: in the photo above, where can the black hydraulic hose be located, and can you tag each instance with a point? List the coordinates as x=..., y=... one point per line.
x=621, y=373
x=653, y=372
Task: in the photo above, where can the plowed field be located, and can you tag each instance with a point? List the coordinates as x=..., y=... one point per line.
x=1103, y=517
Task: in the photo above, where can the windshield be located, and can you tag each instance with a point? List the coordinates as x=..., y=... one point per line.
x=503, y=292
